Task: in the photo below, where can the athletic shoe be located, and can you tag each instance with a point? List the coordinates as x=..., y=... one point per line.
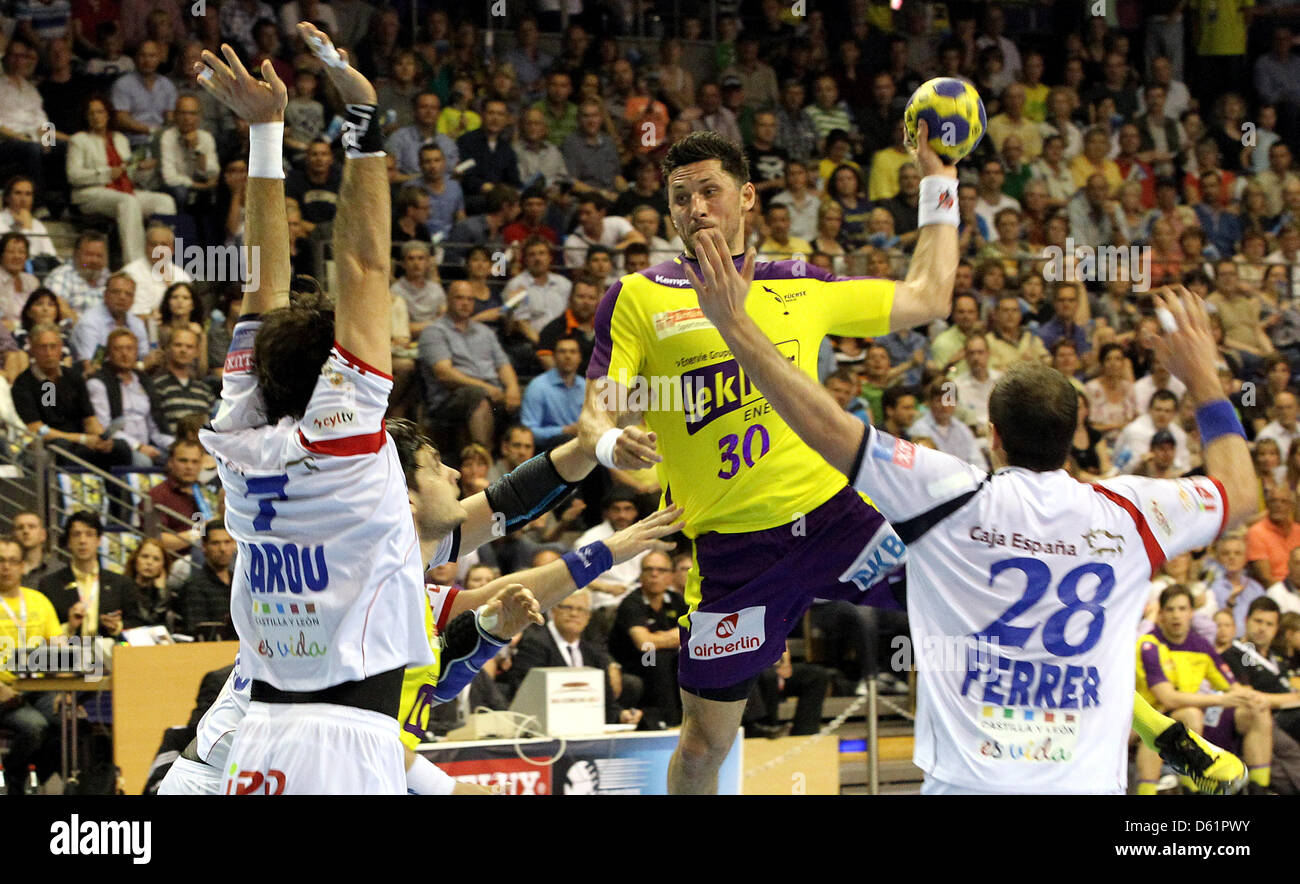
x=1213, y=771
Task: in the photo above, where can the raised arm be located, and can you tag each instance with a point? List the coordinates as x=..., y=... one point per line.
x=1190, y=355
x=926, y=293
x=802, y=403
x=266, y=229
x=363, y=225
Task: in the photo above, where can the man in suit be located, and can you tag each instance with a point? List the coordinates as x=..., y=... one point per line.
x=90, y=599
x=560, y=643
x=494, y=159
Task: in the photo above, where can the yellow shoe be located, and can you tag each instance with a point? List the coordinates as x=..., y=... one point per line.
x=1213, y=771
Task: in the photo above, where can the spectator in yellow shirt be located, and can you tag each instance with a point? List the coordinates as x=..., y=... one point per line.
x=780, y=245
x=1093, y=161
x=456, y=118
x=882, y=184
x=1013, y=121
x=27, y=620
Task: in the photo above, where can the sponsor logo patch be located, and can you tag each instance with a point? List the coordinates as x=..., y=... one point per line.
x=725, y=635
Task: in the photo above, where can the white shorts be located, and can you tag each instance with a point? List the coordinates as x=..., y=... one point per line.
x=188, y=777
x=315, y=749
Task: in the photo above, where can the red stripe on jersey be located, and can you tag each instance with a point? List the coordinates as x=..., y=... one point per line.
x=361, y=364
x=1224, y=495
x=368, y=443
x=1154, y=553
x=445, y=610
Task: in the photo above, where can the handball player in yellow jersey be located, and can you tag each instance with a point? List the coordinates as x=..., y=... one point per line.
x=773, y=525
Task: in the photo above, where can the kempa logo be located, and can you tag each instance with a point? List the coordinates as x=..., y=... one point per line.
x=102, y=838
x=670, y=280
x=723, y=635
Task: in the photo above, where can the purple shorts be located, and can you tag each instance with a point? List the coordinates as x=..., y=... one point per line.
x=1224, y=733
x=755, y=586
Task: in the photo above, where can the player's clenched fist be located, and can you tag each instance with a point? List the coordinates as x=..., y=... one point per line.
x=635, y=450
x=510, y=610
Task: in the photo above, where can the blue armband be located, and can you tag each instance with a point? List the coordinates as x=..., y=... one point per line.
x=589, y=562
x=466, y=647
x=1218, y=418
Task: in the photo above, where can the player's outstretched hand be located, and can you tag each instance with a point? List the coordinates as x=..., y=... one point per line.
x=510, y=610
x=644, y=536
x=353, y=87
x=257, y=101
x=723, y=289
x=929, y=161
x=1188, y=351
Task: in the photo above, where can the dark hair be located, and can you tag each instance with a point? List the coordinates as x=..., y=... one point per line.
x=889, y=399
x=583, y=278
x=16, y=180
x=183, y=442
x=499, y=197
x=289, y=350
x=26, y=316
x=7, y=539
x=841, y=374
x=835, y=173
x=213, y=525
x=570, y=336
x=1264, y=603
x=102, y=99
x=83, y=517
x=86, y=236
x=1106, y=350
x=636, y=248
x=699, y=147
x=1163, y=395
x=1035, y=410
x=11, y=236
x=1173, y=591
x=408, y=439
x=165, y=307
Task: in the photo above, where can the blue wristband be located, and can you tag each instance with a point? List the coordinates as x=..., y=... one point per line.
x=1218, y=418
x=589, y=562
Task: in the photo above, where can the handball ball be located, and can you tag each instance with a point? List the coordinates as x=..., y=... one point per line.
x=954, y=113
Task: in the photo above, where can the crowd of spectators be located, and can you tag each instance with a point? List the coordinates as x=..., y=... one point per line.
x=1149, y=145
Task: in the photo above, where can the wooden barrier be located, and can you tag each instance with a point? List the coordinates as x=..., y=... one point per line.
x=813, y=771
x=154, y=689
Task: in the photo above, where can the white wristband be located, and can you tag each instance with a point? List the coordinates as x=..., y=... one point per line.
x=266, y=150
x=605, y=447
x=938, y=204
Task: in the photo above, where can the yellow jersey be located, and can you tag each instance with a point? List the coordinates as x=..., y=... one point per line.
x=26, y=620
x=729, y=460
x=418, y=682
x=1184, y=664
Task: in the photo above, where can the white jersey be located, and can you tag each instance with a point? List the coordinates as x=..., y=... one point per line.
x=327, y=584
x=1023, y=591
x=217, y=727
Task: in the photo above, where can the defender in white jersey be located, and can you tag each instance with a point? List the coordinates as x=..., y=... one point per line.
x=1024, y=586
x=328, y=595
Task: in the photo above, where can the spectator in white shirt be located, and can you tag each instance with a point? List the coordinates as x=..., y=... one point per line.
x=1135, y=439
x=645, y=219
x=975, y=383
x=608, y=589
x=20, y=195
x=419, y=287
x=948, y=435
x=190, y=168
x=1159, y=379
x=800, y=199
x=991, y=198
x=1283, y=428
x=155, y=270
x=15, y=282
x=595, y=229
x=1286, y=592
x=23, y=121
x=537, y=295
